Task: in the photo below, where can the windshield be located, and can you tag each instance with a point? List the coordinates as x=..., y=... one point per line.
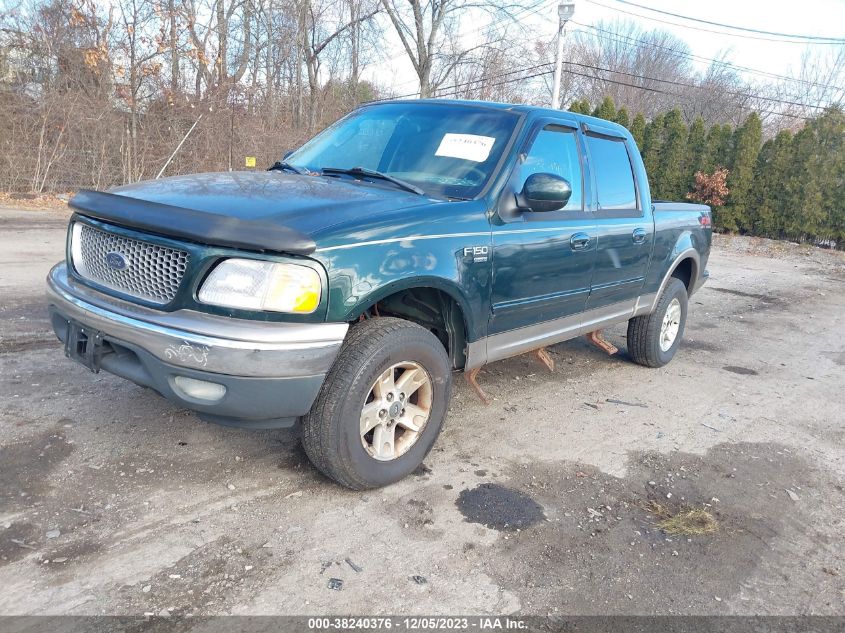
x=446, y=150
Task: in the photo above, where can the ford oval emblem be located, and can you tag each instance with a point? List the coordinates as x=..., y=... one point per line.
x=116, y=261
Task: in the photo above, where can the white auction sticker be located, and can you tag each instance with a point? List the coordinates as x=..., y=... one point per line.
x=466, y=146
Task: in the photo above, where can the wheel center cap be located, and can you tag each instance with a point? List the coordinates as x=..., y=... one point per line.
x=395, y=410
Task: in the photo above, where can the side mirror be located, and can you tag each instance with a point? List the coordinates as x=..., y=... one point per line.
x=544, y=192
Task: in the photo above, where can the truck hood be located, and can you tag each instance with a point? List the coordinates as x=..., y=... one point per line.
x=270, y=211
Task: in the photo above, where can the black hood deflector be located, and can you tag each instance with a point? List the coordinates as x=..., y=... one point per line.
x=198, y=226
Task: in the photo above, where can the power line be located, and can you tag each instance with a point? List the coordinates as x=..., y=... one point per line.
x=473, y=81
x=674, y=51
x=700, y=58
x=687, y=85
x=641, y=77
x=452, y=90
x=827, y=40
x=527, y=12
x=505, y=82
x=701, y=29
x=673, y=94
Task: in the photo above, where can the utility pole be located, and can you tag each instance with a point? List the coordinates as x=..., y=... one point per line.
x=565, y=10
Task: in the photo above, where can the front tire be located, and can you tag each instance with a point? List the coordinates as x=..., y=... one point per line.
x=653, y=339
x=381, y=406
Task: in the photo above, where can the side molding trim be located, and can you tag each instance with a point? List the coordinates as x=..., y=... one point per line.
x=521, y=340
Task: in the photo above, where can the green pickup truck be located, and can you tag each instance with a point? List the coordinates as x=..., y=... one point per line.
x=343, y=287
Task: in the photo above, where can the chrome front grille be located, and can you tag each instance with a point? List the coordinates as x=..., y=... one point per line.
x=140, y=269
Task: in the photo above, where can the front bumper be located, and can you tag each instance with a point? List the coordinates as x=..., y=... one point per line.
x=272, y=372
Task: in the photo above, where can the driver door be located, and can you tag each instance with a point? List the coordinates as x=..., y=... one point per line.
x=543, y=261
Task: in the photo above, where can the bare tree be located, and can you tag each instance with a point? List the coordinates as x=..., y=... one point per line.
x=316, y=38
x=428, y=31
x=99, y=93
x=138, y=46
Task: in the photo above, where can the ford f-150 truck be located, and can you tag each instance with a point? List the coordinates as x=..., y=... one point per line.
x=342, y=287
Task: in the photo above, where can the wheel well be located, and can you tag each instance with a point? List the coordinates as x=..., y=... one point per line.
x=434, y=310
x=684, y=272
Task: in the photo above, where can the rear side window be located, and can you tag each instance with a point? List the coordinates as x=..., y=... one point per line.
x=616, y=191
x=555, y=151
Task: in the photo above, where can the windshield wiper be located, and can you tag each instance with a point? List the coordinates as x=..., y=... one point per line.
x=371, y=173
x=282, y=165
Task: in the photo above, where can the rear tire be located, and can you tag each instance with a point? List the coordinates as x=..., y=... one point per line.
x=390, y=377
x=653, y=339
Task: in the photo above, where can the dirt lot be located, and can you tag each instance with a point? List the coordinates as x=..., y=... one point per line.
x=114, y=501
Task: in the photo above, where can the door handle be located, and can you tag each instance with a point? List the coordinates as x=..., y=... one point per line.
x=579, y=241
x=638, y=236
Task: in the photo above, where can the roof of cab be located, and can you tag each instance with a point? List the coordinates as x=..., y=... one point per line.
x=520, y=108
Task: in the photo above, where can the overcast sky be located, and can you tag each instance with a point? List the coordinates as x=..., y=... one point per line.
x=825, y=18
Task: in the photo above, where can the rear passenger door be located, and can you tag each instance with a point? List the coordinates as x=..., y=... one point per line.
x=625, y=230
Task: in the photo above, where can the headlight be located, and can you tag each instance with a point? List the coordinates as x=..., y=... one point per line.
x=255, y=285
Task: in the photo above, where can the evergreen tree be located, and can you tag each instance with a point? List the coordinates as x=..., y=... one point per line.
x=623, y=118
x=804, y=188
x=791, y=186
x=651, y=146
x=778, y=194
x=580, y=106
x=816, y=180
x=736, y=216
x=605, y=110
x=638, y=129
x=710, y=144
x=763, y=211
x=793, y=224
x=837, y=193
x=717, y=150
x=696, y=151
x=771, y=174
x=725, y=147
x=671, y=180
x=827, y=163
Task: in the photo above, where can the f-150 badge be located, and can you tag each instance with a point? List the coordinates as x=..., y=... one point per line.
x=478, y=253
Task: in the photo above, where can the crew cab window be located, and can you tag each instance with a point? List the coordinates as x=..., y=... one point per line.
x=615, y=188
x=555, y=151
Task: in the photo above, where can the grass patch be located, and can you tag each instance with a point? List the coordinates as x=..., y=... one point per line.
x=685, y=522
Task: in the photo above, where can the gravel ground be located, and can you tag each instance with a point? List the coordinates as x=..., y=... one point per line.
x=546, y=501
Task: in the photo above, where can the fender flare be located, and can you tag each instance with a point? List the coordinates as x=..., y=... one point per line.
x=684, y=250
x=449, y=288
